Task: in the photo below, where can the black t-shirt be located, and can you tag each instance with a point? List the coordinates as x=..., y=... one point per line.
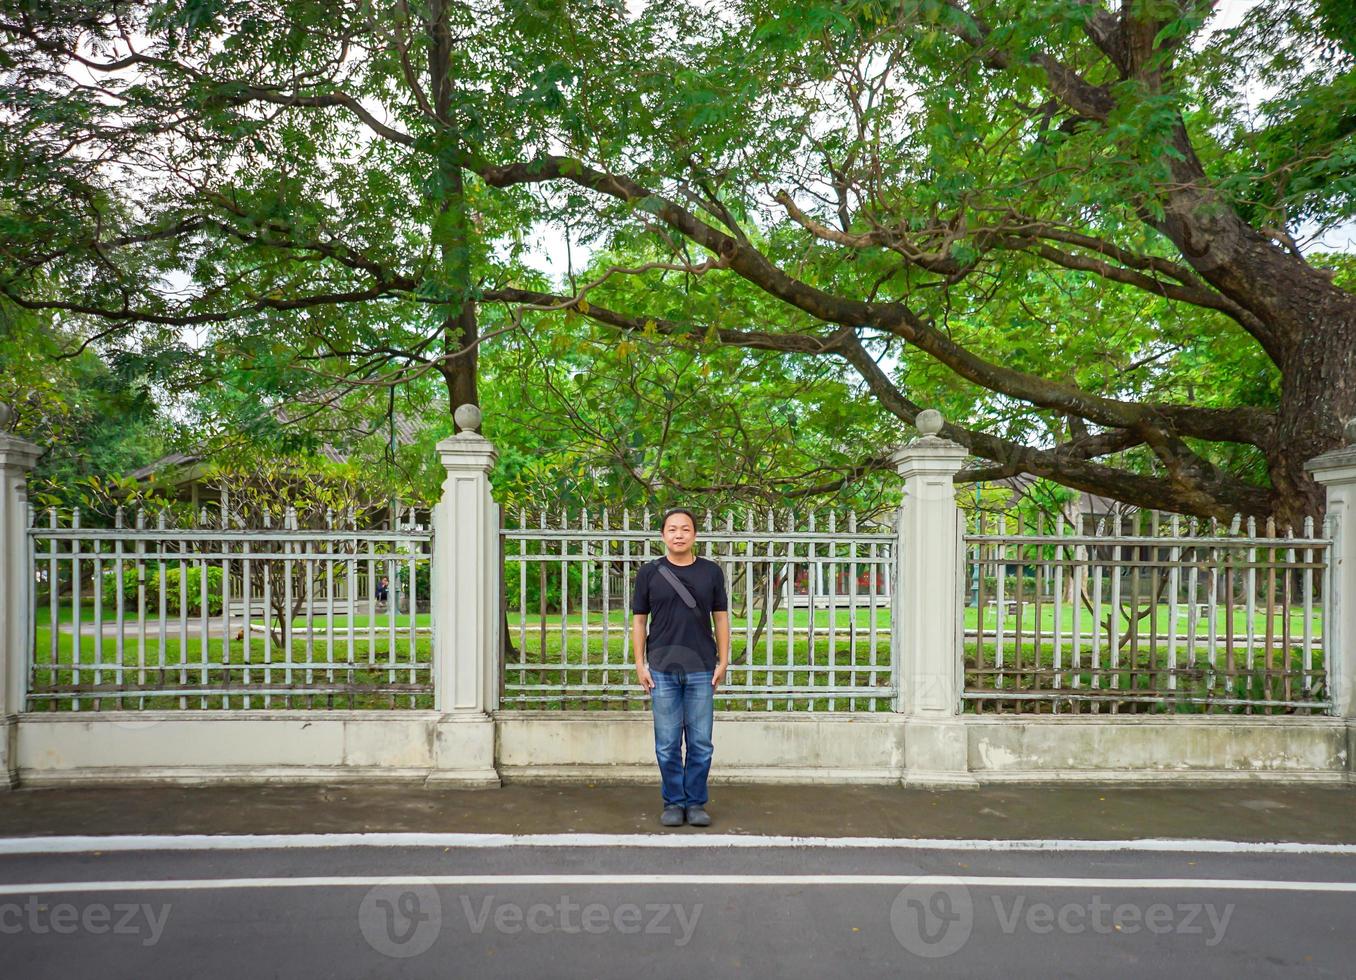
x=679, y=638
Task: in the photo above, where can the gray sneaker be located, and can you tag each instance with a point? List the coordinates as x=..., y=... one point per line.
x=672, y=816
x=698, y=817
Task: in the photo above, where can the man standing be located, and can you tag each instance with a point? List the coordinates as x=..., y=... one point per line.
x=680, y=663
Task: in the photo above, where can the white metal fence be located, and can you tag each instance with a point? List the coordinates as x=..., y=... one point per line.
x=809, y=609
x=1149, y=613
x=1145, y=613
x=153, y=616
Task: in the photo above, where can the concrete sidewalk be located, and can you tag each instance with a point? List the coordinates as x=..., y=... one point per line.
x=1242, y=812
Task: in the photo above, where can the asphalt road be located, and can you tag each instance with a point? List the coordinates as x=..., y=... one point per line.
x=669, y=906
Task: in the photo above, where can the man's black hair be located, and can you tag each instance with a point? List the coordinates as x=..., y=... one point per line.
x=678, y=510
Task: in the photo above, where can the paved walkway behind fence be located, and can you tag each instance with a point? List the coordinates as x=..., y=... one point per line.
x=1243, y=812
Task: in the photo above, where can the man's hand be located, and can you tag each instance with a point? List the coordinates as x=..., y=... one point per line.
x=718, y=675
x=643, y=675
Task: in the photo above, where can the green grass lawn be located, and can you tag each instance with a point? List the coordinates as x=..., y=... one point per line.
x=799, y=618
x=801, y=667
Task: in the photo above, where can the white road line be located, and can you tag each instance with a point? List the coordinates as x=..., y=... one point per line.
x=896, y=881
x=255, y=842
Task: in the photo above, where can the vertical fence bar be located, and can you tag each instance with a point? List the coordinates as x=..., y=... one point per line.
x=1080, y=555
x=309, y=571
x=1193, y=603
x=769, y=605
x=393, y=593
x=289, y=546
x=53, y=603
x=789, y=601
x=1331, y=670
x=1019, y=600
x=371, y=557
x=163, y=594
x=1000, y=600
x=627, y=618
x=246, y=610
x=1174, y=584
x=852, y=605
x=30, y=649
x=412, y=569
x=204, y=610
x=183, y=562
x=225, y=678
x=329, y=605
x=1271, y=609
x=1251, y=600
x=831, y=552
x=119, y=624
x=1287, y=599
x=76, y=652
x=1059, y=600
x=1097, y=609
x=1212, y=608
x=872, y=595
x=96, y=549
x=268, y=564
x=605, y=574
x=1114, y=637
x=585, y=547
x=522, y=594
x=141, y=606
x=1308, y=609
x=564, y=549
x=351, y=602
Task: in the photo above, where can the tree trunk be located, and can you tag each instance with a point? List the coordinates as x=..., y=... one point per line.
x=1303, y=320
x=1318, y=396
x=461, y=334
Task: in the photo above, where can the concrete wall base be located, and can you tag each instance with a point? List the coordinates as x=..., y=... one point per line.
x=483, y=751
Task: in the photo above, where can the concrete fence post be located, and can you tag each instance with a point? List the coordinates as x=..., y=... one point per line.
x=17, y=458
x=927, y=606
x=465, y=602
x=1336, y=470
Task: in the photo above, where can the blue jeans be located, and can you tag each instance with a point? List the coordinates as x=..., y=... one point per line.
x=683, y=704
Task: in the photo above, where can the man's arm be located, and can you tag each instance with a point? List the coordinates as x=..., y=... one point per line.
x=638, y=645
x=721, y=618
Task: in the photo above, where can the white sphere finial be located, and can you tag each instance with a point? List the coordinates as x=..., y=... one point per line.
x=467, y=418
x=1349, y=432
x=928, y=422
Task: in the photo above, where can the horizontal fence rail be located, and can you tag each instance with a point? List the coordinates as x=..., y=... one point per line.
x=1145, y=614
x=227, y=617
x=809, y=610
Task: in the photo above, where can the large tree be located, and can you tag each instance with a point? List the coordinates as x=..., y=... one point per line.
x=1076, y=224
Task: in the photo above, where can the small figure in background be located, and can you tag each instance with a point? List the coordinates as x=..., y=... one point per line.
x=383, y=589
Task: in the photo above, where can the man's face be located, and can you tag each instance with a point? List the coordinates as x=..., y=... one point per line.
x=678, y=533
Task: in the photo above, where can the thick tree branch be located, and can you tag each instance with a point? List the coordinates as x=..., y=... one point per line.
x=1247, y=425
x=1069, y=464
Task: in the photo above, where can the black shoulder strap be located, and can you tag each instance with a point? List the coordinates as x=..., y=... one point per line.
x=677, y=584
